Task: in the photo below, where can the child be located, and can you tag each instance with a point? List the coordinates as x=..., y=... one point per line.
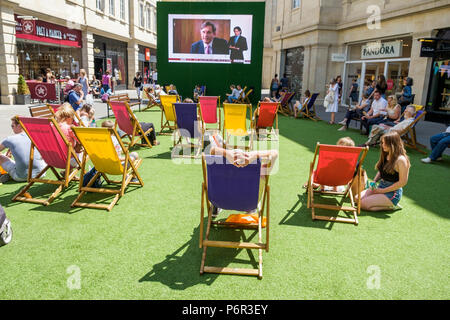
x=65, y=118
x=87, y=113
x=133, y=155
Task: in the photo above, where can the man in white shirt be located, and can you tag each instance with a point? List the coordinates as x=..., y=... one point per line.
x=380, y=129
x=376, y=112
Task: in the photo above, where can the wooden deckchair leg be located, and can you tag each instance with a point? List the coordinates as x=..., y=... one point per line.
x=202, y=213
x=208, y=229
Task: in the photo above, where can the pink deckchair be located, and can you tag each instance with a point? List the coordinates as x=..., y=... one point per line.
x=55, y=150
x=128, y=123
x=209, y=110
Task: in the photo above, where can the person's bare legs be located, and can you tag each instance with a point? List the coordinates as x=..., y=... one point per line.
x=333, y=114
x=375, y=201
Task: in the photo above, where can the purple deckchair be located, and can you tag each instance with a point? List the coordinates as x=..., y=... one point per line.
x=187, y=125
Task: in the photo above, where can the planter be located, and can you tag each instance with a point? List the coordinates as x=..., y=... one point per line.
x=23, y=99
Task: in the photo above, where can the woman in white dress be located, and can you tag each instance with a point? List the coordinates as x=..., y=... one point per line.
x=333, y=107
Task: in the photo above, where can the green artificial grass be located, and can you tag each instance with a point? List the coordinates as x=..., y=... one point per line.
x=147, y=247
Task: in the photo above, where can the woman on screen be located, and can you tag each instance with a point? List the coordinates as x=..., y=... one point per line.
x=237, y=45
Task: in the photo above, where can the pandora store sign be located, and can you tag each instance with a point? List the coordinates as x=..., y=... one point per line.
x=374, y=50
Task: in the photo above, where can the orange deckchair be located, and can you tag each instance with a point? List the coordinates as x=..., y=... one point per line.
x=128, y=123
x=337, y=166
x=168, y=112
x=55, y=150
x=267, y=117
x=99, y=146
x=235, y=122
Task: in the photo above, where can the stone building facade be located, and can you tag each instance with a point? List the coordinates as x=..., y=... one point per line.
x=66, y=36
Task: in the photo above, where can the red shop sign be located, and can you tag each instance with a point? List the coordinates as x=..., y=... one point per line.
x=42, y=90
x=147, y=54
x=42, y=31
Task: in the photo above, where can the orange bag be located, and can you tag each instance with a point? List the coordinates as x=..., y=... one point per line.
x=2, y=171
x=245, y=219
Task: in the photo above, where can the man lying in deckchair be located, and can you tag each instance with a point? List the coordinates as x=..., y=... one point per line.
x=240, y=158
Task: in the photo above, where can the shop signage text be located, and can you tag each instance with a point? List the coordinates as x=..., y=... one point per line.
x=42, y=31
x=381, y=50
x=338, y=57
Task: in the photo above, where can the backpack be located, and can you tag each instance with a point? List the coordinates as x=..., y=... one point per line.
x=66, y=99
x=5, y=228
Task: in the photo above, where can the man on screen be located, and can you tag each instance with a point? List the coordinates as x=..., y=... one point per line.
x=209, y=43
x=237, y=45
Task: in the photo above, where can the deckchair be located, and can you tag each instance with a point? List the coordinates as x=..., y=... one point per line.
x=240, y=99
x=187, y=122
x=245, y=98
x=151, y=102
x=119, y=97
x=55, y=150
x=54, y=107
x=41, y=111
x=209, y=108
x=228, y=187
x=235, y=122
x=284, y=103
x=168, y=112
x=409, y=135
x=268, y=117
x=308, y=109
x=99, y=146
x=336, y=166
x=128, y=123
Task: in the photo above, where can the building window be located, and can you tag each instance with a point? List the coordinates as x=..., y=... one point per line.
x=296, y=4
x=154, y=20
x=148, y=17
x=100, y=5
x=141, y=15
x=112, y=7
x=122, y=9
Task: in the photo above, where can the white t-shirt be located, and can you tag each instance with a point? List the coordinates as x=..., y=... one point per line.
x=379, y=104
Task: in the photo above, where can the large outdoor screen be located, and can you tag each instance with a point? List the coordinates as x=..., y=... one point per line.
x=211, y=38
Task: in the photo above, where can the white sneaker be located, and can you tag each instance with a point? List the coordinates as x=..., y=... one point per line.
x=342, y=122
x=344, y=128
x=426, y=160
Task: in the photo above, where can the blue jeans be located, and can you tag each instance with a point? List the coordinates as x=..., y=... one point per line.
x=439, y=143
x=231, y=99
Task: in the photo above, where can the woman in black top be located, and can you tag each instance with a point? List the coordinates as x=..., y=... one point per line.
x=393, y=170
x=138, y=84
x=382, y=85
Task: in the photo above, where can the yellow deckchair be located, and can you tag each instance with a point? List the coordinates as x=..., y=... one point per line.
x=99, y=146
x=235, y=122
x=168, y=112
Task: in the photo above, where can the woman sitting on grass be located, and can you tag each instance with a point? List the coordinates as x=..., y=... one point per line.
x=393, y=170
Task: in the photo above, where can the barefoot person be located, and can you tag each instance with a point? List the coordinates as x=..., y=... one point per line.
x=393, y=170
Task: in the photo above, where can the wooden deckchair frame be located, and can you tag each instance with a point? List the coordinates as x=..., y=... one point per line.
x=284, y=103
x=127, y=176
x=41, y=111
x=178, y=143
x=226, y=135
x=204, y=125
x=310, y=114
x=120, y=97
x=138, y=133
x=409, y=135
x=52, y=111
x=254, y=122
x=151, y=102
x=167, y=124
x=354, y=208
x=205, y=242
x=62, y=181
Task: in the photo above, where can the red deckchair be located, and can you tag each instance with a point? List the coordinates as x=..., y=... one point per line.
x=55, y=150
x=209, y=110
x=129, y=124
x=284, y=103
x=268, y=116
x=337, y=166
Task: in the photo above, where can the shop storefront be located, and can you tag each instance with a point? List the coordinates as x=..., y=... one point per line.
x=147, y=62
x=366, y=61
x=42, y=45
x=438, y=98
x=111, y=55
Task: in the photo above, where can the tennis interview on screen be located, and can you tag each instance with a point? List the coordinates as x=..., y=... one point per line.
x=212, y=38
